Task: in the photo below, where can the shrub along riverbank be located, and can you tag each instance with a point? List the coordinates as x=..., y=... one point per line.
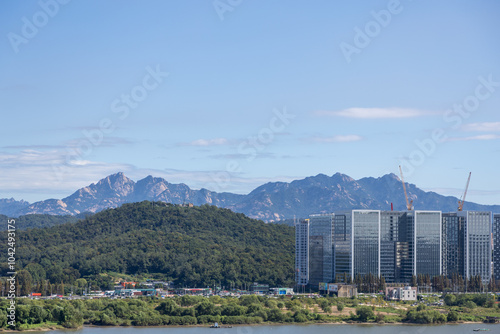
x=197, y=310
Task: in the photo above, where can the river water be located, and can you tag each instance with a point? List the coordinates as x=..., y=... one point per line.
x=292, y=329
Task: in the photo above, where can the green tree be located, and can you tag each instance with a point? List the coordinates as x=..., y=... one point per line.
x=206, y=307
x=452, y=316
x=25, y=281
x=168, y=307
x=36, y=271
x=470, y=304
x=450, y=300
x=81, y=284
x=37, y=314
x=364, y=313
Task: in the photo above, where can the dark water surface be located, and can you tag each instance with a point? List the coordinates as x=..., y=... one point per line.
x=292, y=329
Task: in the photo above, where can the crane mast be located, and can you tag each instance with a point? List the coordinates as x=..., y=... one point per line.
x=409, y=204
x=462, y=200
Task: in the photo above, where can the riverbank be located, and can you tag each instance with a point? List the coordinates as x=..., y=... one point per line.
x=250, y=310
x=53, y=328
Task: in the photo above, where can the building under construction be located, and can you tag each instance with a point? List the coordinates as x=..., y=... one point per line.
x=397, y=245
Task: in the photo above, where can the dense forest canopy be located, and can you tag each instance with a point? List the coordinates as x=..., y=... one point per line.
x=191, y=246
x=40, y=220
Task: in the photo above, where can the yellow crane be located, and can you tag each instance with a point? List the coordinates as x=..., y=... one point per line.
x=462, y=200
x=409, y=204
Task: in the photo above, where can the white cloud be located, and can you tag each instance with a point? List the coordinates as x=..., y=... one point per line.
x=336, y=139
x=479, y=137
x=35, y=175
x=374, y=113
x=482, y=127
x=208, y=142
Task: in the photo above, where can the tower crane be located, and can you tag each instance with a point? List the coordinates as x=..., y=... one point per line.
x=409, y=204
x=462, y=200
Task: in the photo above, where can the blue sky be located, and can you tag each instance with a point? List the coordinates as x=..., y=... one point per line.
x=230, y=94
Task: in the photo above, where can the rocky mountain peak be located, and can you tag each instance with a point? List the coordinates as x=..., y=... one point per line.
x=299, y=198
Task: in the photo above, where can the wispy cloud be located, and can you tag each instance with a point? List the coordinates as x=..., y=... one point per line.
x=33, y=147
x=470, y=138
x=335, y=139
x=33, y=172
x=208, y=142
x=482, y=127
x=373, y=113
x=237, y=156
x=30, y=175
x=105, y=141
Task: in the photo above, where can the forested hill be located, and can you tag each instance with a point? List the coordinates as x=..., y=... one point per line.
x=192, y=246
x=40, y=220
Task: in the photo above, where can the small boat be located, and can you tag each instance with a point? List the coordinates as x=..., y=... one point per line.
x=480, y=329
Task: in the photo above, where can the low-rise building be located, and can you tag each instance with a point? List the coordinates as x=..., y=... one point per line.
x=281, y=291
x=259, y=288
x=194, y=291
x=401, y=293
x=135, y=292
x=338, y=289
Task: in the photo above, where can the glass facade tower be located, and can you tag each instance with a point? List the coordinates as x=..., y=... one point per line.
x=453, y=246
x=342, y=247
x=396, y=246
x=496, y=247
x=478, y=244
x=366, y=242
x=356, y=243
x=321, y=249
x=427, y=243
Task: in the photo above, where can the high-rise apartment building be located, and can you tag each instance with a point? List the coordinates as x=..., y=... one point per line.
x=496, y=247
x=302, y=252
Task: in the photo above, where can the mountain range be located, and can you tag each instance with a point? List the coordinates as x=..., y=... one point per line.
x=270, y=202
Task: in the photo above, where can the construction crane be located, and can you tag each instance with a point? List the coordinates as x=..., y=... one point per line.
x=462, y=200
x=409, y=204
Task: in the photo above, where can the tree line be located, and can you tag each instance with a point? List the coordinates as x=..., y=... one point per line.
x=454, y=283
x=249, y=309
